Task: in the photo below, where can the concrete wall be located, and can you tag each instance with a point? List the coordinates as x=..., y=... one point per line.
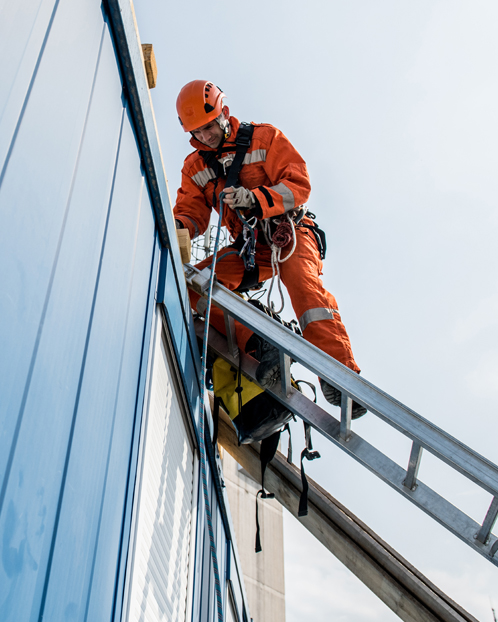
x=264, y=571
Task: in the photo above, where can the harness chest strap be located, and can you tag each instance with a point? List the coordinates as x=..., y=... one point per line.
x=242, y=144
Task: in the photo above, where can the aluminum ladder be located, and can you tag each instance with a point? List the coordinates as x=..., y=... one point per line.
x=422, y=433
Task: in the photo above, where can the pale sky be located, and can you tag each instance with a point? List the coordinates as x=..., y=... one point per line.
x=393, y=106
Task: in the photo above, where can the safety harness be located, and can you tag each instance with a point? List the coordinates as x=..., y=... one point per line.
x=247, y=246
x=279, y=232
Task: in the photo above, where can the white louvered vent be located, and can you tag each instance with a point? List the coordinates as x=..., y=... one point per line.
x=159, y=564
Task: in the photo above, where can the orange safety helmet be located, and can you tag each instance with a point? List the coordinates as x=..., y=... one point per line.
x=198, y=103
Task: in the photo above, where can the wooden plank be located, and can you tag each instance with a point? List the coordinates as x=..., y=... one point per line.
x=398, y=584
x=185, y=244
x=150, y=64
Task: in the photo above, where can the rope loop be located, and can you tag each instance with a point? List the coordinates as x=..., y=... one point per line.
x=283, y=234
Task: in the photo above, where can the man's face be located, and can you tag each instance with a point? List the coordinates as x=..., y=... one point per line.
x=210, y=134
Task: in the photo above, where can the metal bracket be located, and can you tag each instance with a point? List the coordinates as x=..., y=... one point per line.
x=285, y=363
x=196, y=279
x=410, y=480
x=346, y=410
x=231, y=336
x=484, y=532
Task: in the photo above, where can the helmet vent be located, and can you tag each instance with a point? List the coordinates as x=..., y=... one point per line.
x=208, y=108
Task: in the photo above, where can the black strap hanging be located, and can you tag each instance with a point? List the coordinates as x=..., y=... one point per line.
x=216, y=419
x=320, y=238
x=309, y=455
x=289, y=448
x=267, y=452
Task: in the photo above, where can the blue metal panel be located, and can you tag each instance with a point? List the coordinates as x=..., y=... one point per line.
x=74, y=290
x=35, y=200
x=95, y=489
x=24, y=28
x=123, y=24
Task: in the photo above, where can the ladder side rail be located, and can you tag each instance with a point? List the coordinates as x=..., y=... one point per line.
x=447, y=448
x=426, y=499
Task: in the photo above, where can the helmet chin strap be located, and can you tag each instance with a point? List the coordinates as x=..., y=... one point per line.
x=224, y=125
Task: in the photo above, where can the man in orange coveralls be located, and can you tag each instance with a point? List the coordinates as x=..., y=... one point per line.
x=273, y=183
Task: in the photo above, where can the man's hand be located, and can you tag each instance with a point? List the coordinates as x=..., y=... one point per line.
x=239, y=198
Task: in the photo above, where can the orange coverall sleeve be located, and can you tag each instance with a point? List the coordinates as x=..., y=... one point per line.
x=191, y=208
x=290, y=184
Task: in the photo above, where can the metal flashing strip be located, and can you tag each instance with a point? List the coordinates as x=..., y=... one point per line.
x=129, y=54
x=422, y=432
x=122, y=21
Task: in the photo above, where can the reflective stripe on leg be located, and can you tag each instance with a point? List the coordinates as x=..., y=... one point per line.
x=315, y=315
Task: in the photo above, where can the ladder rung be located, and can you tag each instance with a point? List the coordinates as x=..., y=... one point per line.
x=285, y=373
x=483, y=534
x=413, y=466
x=231, y=337
x=346, y=408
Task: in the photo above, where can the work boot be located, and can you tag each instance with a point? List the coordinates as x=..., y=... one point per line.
x=333, y=396
x=268, y=371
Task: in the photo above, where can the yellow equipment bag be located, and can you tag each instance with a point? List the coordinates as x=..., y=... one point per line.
x=225, y=384
x=254, y=414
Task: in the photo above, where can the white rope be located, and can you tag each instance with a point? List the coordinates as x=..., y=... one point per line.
x=294, y=241
x=275, y=269
x=276, y=252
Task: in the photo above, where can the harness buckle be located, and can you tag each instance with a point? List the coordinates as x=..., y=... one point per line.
x=226, y=162
x=244, y=135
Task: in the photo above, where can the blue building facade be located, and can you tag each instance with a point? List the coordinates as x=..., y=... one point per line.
x=101, y=516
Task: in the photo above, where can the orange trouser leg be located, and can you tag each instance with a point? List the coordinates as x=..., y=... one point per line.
x=301, y=276
x=311, y=301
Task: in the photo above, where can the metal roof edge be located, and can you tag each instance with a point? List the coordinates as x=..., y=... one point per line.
x=124, y=28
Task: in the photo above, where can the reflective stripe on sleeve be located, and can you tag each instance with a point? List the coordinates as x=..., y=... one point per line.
x=196, y=228
x=287, y=196
x=315, y=315
x=202, y=177
x=258, y=155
